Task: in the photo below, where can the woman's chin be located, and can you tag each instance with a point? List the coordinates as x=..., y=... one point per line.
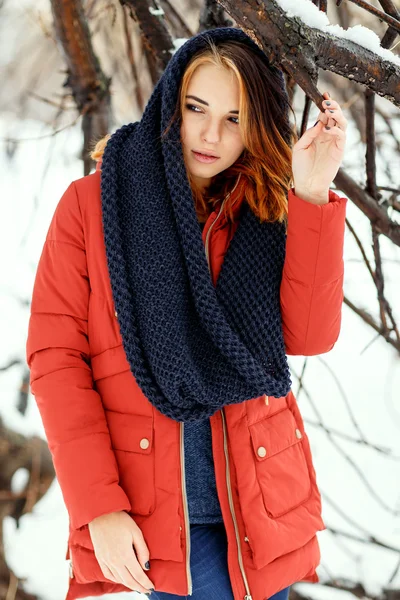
x=203, y=170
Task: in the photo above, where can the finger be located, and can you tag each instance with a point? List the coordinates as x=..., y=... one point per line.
x=336, y=118
x=124, y=577
x=107, y=571
x=339, y=134
x=140, y=547
x=137, y=572
x=326, y=98
x=308, y=136
x=328, y=114
x=330, y=103
x=335, y=130
x=323, y=118
x=331, y=118
x=131, y=580
x=334, y=112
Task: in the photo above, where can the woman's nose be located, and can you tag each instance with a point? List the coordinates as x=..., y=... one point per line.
x=211, y=133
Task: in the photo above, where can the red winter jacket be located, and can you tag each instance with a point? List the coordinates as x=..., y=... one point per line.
x=113, y=450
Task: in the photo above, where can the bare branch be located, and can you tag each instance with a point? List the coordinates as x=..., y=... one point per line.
x=348, y=458
x=366, y=317
x=90, y=87
x=368, y=206
x=157, y=40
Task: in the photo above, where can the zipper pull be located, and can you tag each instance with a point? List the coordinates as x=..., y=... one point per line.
x=247, y=597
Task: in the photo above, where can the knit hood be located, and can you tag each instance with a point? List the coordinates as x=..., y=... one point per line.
x=192, y=347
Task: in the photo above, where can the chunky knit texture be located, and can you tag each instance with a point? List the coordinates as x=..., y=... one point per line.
x=201, y=487
x=192, y=347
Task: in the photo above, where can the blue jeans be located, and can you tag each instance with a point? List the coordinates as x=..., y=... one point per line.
x=209, y=567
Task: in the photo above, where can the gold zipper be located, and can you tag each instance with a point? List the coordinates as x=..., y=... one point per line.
x=186, y=512
x=71, y=568
x=247, y=596
x=185, y=503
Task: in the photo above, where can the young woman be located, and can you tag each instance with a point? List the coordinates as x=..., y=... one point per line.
x=173, y=283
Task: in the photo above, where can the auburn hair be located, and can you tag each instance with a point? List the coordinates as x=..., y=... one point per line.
x=266, y=161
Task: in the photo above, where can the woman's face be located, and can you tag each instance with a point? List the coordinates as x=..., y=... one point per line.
x=210, y=117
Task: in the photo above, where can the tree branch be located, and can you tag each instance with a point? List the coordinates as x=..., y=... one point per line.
x=301, y=50
x=89, y=85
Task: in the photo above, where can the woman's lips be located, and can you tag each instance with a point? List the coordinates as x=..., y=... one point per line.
x=203, y=158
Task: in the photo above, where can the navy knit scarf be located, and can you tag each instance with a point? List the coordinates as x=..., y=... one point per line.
x=193, y=347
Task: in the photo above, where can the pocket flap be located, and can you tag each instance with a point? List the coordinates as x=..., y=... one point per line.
x=274, y=434
x=133, y=433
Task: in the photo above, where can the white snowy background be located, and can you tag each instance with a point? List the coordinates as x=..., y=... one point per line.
x=359, y=377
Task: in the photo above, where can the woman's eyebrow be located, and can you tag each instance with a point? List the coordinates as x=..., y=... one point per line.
x=236, y=112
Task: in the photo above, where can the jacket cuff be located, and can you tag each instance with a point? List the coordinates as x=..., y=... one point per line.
x=315, y=236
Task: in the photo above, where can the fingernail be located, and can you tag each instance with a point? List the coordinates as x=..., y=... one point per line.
x=327, y=127
x=331, y=110
x=147, y=566
x=327, y=103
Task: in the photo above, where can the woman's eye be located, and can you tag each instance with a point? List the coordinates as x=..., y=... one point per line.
x=192, y=107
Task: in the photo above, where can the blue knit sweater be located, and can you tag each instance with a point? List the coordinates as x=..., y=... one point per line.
x=201, y=488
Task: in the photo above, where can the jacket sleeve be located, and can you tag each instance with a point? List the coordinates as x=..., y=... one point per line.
x=311, y=292
x=57, y=352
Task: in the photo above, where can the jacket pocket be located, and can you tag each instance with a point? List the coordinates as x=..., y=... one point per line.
x=281, y=465
x=132, y=442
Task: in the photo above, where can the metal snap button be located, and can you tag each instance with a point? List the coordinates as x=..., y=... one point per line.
x=144, y=443
x=261, y=451
x=266, y=400
x=298, y=433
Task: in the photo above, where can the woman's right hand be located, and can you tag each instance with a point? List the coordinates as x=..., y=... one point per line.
x=113, y=536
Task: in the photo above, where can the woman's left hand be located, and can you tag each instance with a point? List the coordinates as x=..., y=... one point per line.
x=318, y=154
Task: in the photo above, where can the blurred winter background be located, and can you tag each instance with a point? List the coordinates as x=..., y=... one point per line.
x=349, y=398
